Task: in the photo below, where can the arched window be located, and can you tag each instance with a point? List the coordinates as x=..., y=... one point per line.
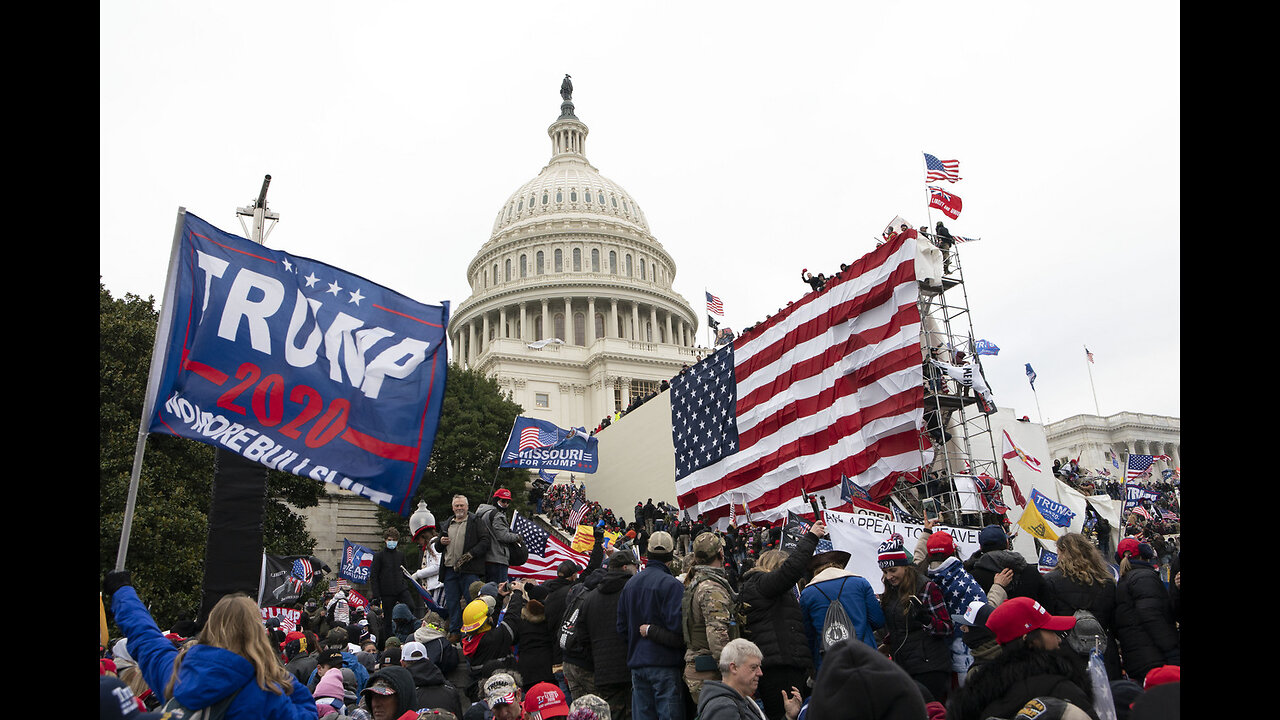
x=628, y=264
x=595, y=260
x=600, y=197
x=559, y=195
x=579, y=329
x=544, y=197
x=557, y=322
x=495, y=273
x=573, y=195
x=642, y=268
x=538, y=263
x=577, y=259
x=587, y=196
x=599, y=325
x=648, y=331
x=613, y=262
x=524, y=266
x=559, y=260
x=508, y=270
x=520, y=206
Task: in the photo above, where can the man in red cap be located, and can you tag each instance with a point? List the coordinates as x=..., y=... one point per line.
x=544, y=701
x=502, y=537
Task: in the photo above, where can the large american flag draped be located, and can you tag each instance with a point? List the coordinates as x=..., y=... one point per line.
x=936, y=169
x=831, y=385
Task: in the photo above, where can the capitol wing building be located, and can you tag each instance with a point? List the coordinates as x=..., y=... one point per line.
x=571, y=308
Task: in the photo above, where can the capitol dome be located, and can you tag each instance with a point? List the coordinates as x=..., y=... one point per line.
x=572, y=308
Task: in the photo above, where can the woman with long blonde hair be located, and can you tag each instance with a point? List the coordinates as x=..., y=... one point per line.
x=229, y=663
x=1082, y=581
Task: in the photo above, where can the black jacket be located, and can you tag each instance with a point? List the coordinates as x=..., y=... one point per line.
x=558, y=592
x=433, y=691
x=536, y=640
x=910, y=643
x=1144, y=621
x=385, y=577
x=1027, y=582
x=1001, y=687
x=402, y=681
x=718, y=701
x=476, y=543
x=599, y=624
x=775, y=622
x=1064, y=596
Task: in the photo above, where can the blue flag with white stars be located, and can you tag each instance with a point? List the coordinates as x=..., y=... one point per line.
x=704, y=424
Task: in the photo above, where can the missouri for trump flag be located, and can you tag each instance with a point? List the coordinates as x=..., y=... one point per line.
x=830, y=386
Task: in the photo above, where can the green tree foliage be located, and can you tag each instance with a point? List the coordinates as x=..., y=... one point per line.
x=170, y=523
x=475, y=421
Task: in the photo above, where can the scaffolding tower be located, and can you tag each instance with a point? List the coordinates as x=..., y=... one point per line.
x=957, y=430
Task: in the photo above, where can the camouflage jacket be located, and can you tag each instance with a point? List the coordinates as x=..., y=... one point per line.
x=708, y=616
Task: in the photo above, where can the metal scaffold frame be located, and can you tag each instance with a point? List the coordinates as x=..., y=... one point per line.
x=951, y=410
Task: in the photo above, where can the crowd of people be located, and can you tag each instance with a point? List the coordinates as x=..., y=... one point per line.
x=678, y=620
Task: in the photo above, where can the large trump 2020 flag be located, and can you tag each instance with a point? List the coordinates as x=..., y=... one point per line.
x=830, y=386
x=298, y=365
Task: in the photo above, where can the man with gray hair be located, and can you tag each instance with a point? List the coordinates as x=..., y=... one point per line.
x=731, y=699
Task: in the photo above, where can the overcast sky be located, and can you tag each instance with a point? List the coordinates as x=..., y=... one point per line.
x=756, y=141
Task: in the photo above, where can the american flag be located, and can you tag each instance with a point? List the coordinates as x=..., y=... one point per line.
x=536, y=437
x=1088, y=354
x=1138, y=465
x=961, y=238
x=941, y=169
x=949, y=203
x=830, y=386
x=535, y=538
x=714, y=305
x=575, y=515
x=542, y=567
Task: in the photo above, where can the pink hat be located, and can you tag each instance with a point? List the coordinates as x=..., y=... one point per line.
x=330, y=686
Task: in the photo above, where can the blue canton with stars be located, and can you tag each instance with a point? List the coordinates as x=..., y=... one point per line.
x=704, y=420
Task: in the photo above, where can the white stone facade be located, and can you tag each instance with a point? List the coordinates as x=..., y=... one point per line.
x=571, y=259
x=1089, y=436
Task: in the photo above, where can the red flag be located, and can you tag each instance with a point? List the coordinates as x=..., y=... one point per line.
x=949, y=203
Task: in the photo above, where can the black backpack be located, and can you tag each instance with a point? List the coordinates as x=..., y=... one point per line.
x=568, y=637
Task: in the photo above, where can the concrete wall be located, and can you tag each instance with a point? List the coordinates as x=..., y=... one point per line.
x=637, y=459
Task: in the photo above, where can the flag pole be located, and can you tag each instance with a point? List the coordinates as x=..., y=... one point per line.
x=159, y=349
x=1037, y=397
x=1088, y=363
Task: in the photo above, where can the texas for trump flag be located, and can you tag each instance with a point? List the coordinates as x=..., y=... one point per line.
x=949, y=203
x=830, y=386
x=297, y=365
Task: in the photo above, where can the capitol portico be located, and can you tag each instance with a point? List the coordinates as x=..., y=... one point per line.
x=1089, y=436
x=572, y=308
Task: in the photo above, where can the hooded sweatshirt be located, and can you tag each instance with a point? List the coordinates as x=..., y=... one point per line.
x=432, y=690
x=208, y=674
x=402, y=622
x=406, y=695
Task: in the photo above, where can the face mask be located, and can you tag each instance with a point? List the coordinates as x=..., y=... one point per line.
x=391, y=544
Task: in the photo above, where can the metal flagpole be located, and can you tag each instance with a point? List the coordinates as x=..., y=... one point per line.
x=1037, y=397
x=159, y=350
x=928, y=209
x=1088, y=363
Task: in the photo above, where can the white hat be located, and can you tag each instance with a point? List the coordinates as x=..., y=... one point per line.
x=413, y=651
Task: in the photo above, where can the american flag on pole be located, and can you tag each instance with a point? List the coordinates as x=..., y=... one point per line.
x=535, y=538
x=575, y=515
x=543, y=567
x=1088, y=354
x=714, y=305
x=936, y=169
x=1138, y=465
x=829, y=386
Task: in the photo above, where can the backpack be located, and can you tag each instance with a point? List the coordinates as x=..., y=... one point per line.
x=517, y=553
x=836, y=626
x=174, y=710
x=568, y=637
x=1086, y=634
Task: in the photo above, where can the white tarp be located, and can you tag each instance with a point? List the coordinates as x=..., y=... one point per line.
x=860, y=535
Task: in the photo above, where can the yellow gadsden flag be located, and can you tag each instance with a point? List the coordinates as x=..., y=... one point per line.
x=584, y=539
x=1033, y=522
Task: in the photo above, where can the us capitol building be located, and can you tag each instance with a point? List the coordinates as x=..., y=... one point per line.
x=572, y=309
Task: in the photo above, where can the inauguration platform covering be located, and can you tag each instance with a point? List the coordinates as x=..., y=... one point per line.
x=298, y=365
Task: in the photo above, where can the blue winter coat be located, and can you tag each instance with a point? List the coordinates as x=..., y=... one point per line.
x=858, y=599
x=208, y=674
x=651, y=596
